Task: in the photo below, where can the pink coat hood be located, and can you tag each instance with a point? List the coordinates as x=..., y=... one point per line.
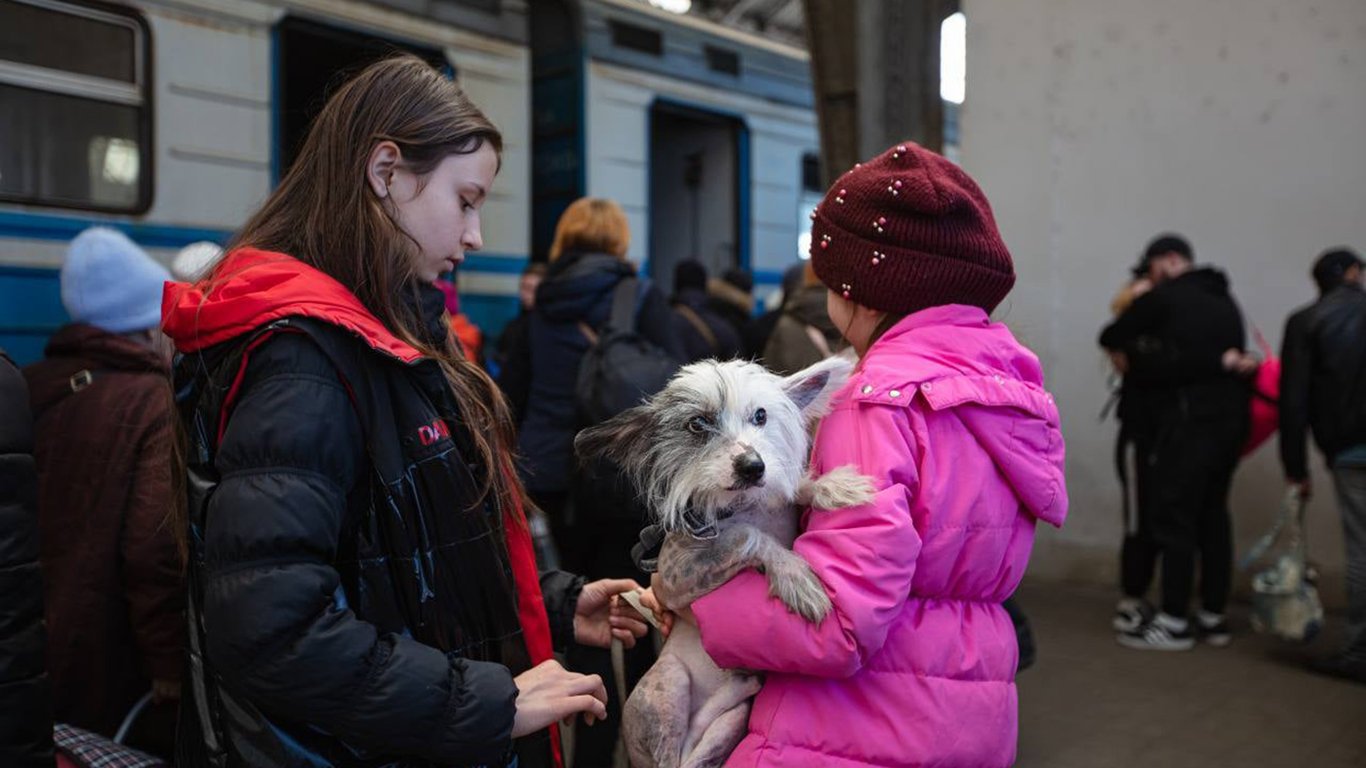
x=915, y=665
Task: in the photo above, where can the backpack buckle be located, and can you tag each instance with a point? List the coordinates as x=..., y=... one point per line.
x=80, y=380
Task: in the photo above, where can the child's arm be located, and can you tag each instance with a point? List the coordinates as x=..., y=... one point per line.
x=865, y=557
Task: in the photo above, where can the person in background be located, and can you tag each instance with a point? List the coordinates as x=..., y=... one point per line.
x=594, y=515
x=731, y=297
x=515, y=332
x=805, y=334
x=1139, y=392
x=757, y=334
x=194, y=261
x=1201, y=422
x=587, y=260
x=703, y=333
x=112, y=574
x=1323, y=390
x=466, y=332
x=25, y=692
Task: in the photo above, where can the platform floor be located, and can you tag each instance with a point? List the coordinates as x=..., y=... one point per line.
x=1088, y=703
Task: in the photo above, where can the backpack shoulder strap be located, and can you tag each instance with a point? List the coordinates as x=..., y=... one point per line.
x=622, y=317
x=700, y=325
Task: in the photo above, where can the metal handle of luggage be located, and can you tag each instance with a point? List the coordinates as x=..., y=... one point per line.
x=131, y=717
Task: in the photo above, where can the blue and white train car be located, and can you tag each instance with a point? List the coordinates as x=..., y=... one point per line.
x=707, y=137
x=172, y=119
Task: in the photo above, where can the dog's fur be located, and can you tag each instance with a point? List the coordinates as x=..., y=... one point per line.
x=702, y=460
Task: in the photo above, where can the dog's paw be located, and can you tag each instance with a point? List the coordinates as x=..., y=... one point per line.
x=840, y=488
x=799, y=589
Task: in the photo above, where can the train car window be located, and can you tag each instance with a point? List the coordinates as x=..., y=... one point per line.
x=636, y=38
x=75, y=117
x=811, y=173
x=722, y=60
x=488, y=6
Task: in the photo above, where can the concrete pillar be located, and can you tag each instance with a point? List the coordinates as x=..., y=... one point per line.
x=875, y=69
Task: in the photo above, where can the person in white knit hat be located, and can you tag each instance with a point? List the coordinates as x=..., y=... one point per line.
x=195, y=260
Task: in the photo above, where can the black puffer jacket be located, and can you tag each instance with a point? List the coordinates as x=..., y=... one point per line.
x=1323, y=378
x=1192, y=320
x=540, y=377
x=352, y=603
x=25, y=696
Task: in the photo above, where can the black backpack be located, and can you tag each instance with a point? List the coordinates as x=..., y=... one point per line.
x=620, y=369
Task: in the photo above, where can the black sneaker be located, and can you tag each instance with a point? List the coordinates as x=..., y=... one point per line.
x=1157, y=635
x=1215, y=633
x=1131, y=613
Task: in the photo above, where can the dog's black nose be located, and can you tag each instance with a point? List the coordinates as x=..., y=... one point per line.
x=749, y=467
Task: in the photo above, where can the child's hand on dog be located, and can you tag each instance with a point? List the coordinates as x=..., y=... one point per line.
x=600, y=616
x=663, y=614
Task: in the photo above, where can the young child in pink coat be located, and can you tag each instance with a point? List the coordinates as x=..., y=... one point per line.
x=946, y=412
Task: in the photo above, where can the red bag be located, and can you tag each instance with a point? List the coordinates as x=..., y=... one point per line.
x=1265, y=409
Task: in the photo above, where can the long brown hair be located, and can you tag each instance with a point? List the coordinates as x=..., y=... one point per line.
x=324, y=214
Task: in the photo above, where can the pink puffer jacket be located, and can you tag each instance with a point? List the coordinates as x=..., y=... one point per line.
x=916, y=664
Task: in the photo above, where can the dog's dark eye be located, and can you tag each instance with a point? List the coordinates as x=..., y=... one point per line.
x=760, y=417
x=699, y=425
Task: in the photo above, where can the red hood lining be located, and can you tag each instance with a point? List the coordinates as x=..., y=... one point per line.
x=252, y=287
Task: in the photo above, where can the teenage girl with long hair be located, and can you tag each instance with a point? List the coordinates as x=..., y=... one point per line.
x=362, y=585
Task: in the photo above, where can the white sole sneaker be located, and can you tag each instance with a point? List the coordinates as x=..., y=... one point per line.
x=1155, y=637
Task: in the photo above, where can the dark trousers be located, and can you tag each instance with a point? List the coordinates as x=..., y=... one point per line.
x=1351, y=488
x=1190, y=473
x=1138, y=552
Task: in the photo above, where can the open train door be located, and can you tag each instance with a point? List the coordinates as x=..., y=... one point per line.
x=698, y=200
x=312, y=60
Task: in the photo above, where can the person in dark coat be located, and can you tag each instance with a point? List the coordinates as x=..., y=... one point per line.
x=514, y=335
x=1323, y=390
x=25, y=692
x=593, y=510
x=702, y=333
x=805, y=334
x=363, y=588
x=731, y=297
x=1200, y=427
x=587, y=261
x=757, y=334
x=112, y=575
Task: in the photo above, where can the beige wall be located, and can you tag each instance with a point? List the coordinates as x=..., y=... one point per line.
x=1094, y=124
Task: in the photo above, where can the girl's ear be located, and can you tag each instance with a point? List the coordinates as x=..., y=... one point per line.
x=811, y=388
x=380, y=166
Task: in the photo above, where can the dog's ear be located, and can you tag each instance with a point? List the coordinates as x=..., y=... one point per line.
x=616, y=438
x=811, y=388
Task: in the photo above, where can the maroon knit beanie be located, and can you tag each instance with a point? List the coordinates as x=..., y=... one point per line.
x=909, y=230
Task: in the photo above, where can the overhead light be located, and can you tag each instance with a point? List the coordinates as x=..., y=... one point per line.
x=672, y=6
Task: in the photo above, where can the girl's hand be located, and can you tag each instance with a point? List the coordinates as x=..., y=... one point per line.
x=599, y=616
x=656, y=594
x=548, y=693
x=662, y=615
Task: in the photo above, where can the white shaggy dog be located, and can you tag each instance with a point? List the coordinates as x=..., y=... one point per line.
x=720, y=457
